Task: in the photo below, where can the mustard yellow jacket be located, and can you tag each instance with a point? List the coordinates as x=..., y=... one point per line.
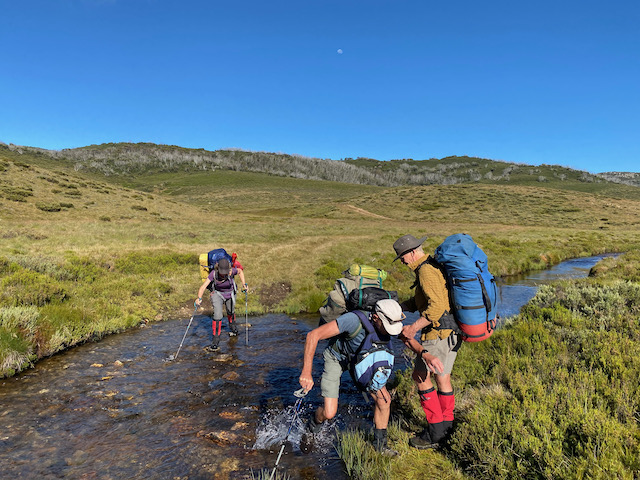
x=431, y=298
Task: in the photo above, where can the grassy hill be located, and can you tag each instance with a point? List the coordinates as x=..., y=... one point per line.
x=127, y=159
x=86, y=251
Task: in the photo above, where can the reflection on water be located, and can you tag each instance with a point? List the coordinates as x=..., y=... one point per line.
x=119, y=410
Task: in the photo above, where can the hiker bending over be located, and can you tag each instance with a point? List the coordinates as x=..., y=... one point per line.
x=348, y=335
x=439, y=341
x=223, y=293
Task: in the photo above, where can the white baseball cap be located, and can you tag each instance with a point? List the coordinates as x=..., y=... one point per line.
x=390, y=312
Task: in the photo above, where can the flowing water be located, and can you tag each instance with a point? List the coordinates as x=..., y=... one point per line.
x=516, y=291
x=122, y=409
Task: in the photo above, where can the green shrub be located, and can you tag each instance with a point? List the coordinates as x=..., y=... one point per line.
x=48, y=207
x=328, y=273
x=557, y=389
x=15, y=194
x=314, y=300
x=16, y=353
x=83, y=269
x=30, y=288
x=141, y=263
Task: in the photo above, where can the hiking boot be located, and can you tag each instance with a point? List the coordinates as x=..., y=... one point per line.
x=448, y=430
x=387, y=452
x=423, y=441
x=313, y=427
x=212, y=348
x=233, y=333
x=306, y=442
x=380, y=443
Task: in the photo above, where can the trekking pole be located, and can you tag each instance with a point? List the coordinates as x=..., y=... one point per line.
x=185, y=333
x=246, y=317
x=300, y=394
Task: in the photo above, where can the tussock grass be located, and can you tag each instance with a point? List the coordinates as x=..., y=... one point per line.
x=363, y=462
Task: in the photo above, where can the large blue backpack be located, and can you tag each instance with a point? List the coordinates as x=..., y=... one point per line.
x=215, y=255
x=472, y=288
x=372, y=364
x=209, y=260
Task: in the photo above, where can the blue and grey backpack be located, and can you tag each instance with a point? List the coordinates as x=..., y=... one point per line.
x=372, y=364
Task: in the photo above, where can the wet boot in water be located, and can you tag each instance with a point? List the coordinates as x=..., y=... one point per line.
x=313, y=427
x=232, y=325
x=217, y=330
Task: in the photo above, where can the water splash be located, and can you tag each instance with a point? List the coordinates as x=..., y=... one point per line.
x=273, y=428
x=274, y=425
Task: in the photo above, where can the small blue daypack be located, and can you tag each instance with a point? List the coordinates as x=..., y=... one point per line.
x=472, y=288
x=372, y=364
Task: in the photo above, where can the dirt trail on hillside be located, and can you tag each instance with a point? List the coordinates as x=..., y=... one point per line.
x=366, y=213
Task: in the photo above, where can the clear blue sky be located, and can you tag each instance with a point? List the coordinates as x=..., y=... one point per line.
x=554, y=82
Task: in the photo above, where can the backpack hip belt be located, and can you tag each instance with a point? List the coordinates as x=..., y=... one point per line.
x=446, y=322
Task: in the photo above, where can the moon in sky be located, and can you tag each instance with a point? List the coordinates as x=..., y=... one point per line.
x=339, y=51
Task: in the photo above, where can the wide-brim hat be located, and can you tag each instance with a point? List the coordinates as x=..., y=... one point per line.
x=405, y=244
x=390, y=313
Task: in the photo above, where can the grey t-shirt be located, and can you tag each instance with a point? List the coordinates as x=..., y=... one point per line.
x=341, y=346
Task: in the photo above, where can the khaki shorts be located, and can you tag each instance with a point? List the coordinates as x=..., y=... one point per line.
x=445, y=349
x=333, y=370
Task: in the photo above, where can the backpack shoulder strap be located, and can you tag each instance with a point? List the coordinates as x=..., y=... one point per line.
x=372, y=334
x=431, y=261
x=343, y=288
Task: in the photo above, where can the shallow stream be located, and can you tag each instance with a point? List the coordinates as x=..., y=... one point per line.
x=121, y=409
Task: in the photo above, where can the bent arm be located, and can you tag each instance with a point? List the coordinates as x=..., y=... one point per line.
x=203, y=287
x=409, y=331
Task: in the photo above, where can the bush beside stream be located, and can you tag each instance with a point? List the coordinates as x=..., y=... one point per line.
x=556, y=393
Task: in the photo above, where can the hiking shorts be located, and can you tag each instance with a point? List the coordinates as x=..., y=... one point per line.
x=445, y=349
x=333, y=370
x=218, y=302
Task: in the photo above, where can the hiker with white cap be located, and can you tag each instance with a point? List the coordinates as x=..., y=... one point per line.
x=349, y=334
x=223, y=295
x=439, y=340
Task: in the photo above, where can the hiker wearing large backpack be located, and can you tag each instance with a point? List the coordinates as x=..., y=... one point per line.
x=350, y=333
x=223, y=295
x=438, y=338
x=355, y=277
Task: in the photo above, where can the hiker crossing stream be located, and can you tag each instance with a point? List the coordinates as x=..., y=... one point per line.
x=120, y=409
